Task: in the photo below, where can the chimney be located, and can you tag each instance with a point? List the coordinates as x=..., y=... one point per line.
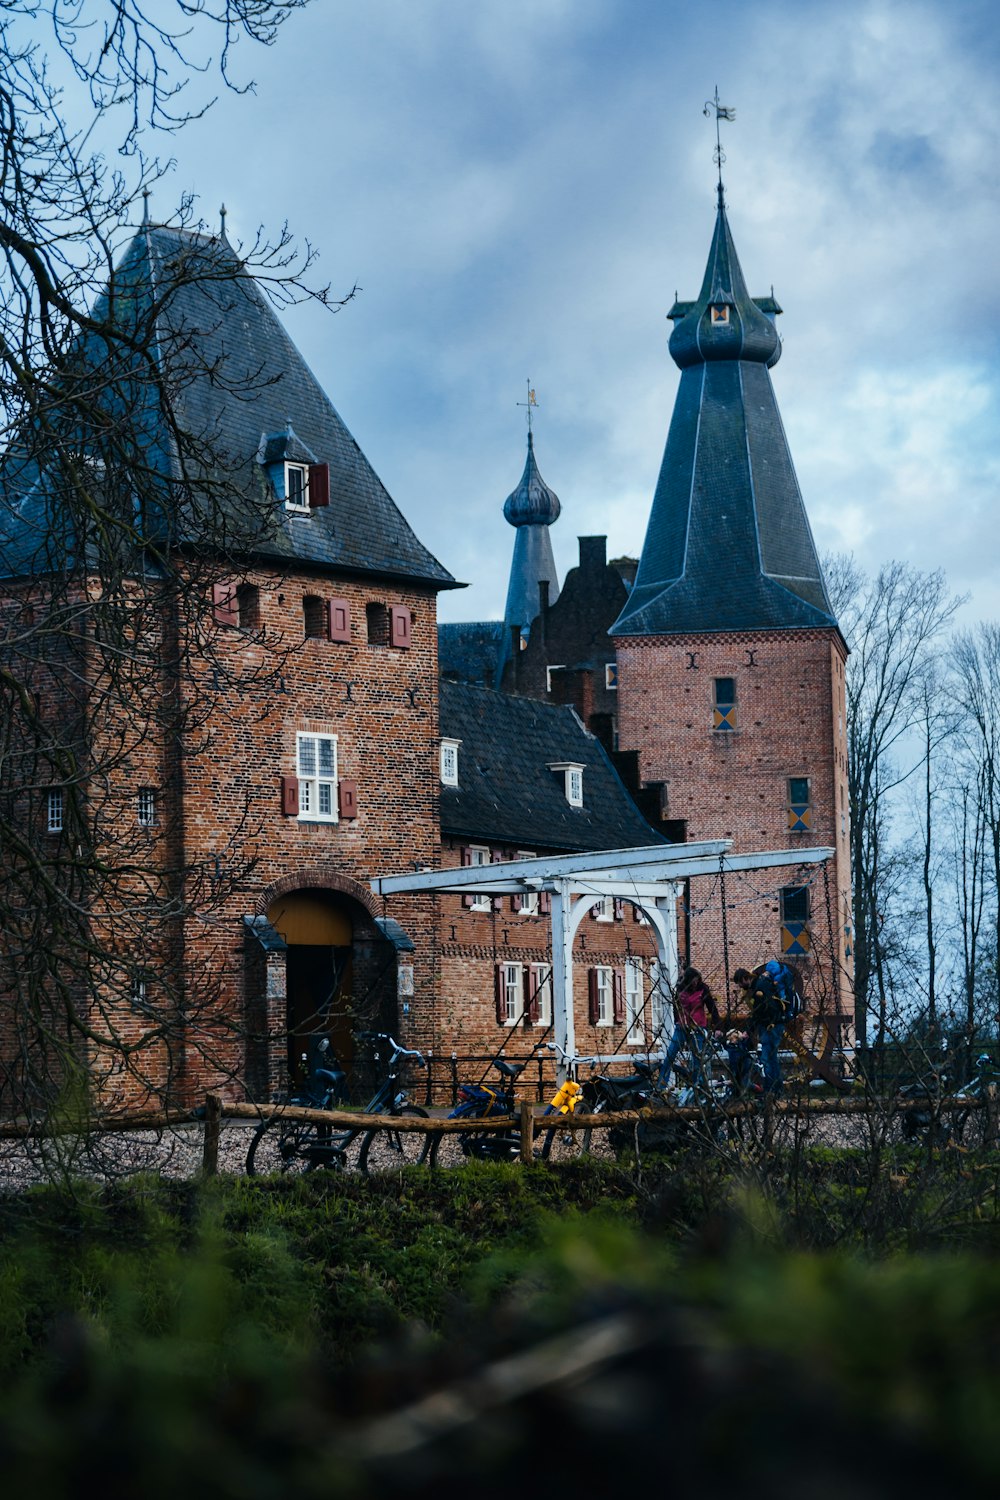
x=593, y=553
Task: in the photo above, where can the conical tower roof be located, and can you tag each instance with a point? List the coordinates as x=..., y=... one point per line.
x=728, y=545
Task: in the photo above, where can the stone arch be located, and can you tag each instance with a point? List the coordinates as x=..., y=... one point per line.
x=322, y=876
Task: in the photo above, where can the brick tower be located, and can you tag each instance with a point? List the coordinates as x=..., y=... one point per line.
x=730, y=660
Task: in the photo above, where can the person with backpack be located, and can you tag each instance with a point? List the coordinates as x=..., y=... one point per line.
x=768, y=1018
x=694, y=1008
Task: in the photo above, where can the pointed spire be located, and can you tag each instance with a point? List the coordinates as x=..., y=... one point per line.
x=728, y=545
x=145, y=205
x=222, y=224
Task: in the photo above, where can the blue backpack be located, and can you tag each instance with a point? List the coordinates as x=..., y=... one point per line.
x=788, y=991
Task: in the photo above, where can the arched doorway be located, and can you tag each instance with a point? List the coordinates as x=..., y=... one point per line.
x=319, y=931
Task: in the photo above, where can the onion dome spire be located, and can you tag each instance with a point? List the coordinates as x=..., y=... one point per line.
x=532, y=503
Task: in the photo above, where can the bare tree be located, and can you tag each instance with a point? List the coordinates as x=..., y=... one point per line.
x=117, y=515
x=976, y=662
x=893, y=623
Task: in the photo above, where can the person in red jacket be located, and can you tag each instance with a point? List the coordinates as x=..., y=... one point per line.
x=694, y=1011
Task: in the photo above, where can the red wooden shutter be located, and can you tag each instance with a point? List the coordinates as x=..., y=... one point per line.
x=338, y=620
x=290, y=796
x=348, y=798
x=592, y=1006
x=225, y=609
x=319, y=485
x=400, y=626
x=545, y=902
x=530, y=995
x=467, y=898
x=515, y=904
x=496, y=858
x=618, y=995
x=501, y=997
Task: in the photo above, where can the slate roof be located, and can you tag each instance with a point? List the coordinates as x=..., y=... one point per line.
x=243, y=396
x=507, y=793
x=728, y=545
x=471, y=651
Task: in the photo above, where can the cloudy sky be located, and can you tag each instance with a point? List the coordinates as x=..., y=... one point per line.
x=519, y=189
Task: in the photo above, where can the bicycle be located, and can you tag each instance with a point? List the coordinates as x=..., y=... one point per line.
x=294, y=1146
x=480, y=1101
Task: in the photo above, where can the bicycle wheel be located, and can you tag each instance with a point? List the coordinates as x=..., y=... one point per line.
x=280, y=1146
x=388, y=1150
x=446, y=1151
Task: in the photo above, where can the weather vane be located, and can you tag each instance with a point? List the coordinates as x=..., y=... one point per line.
x=531, y=402
x=721, y=112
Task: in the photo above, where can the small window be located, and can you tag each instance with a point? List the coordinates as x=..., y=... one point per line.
x=541, y=995
x=55, y=810
x=634, y=1005
x=611, y=676
x=795, y=938
x=317, y=771
x=799, y=805
x=601, y=999
x=449, y=762
x=510, y=1001
x=247, y=606
x=146, y=810
x=720, y=314
x=377, y=618
x=474, y=855
x=724, y=696
x=527, y=901
x=604, y=910
x=574, y=786
x=314, y=617
x=140, y=992
x=297, y=487
x=548, y=676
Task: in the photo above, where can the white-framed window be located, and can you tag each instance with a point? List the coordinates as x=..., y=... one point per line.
x=611, y=676
x=55, y=810
x=605, y=999
x=660, y=1008
x=541, y=993
x=511, y=993
x=146, y=807
x=449, y=762
x=140, y=991
x=528, y=900
x=634, y=1002
x=317, y=773
x=572, y=773
x=479, y=901
x=548, y=675
x=296, y=487
x=604, y=910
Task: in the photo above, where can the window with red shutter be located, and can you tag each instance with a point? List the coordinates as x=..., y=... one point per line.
x=338, y=620
x=531, y=995
x=319, y=485
x=618, y=995
x=466, y=859
x=545, y=902
x=619, y=909
x=501, y=994
x=400, y=626
x=225, y=605
x=593, y=1002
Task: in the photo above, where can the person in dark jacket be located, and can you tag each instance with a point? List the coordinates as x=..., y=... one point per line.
x=694, y=1010
x=767, y=1022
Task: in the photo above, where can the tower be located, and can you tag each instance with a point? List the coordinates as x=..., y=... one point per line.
x=730, y=660
x=531, y=509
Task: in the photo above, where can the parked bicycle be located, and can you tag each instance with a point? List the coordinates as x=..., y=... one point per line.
x=482, y=1101
x=292, y=1146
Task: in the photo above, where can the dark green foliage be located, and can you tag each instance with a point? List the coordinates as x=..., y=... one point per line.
x=240, y=1338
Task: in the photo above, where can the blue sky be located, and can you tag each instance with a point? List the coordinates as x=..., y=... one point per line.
x=519, y=189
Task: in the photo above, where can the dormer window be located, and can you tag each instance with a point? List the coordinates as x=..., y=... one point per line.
x=572, y=773
x=296, y=487
x=449, y=762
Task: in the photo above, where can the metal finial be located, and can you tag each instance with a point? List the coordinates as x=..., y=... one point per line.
x=531, y=402
x=722, y=112
x=145, y=205
x=222, y=219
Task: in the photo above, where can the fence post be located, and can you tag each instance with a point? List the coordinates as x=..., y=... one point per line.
x=213, y=1128
x=527, y=1131
x=992, y=1115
